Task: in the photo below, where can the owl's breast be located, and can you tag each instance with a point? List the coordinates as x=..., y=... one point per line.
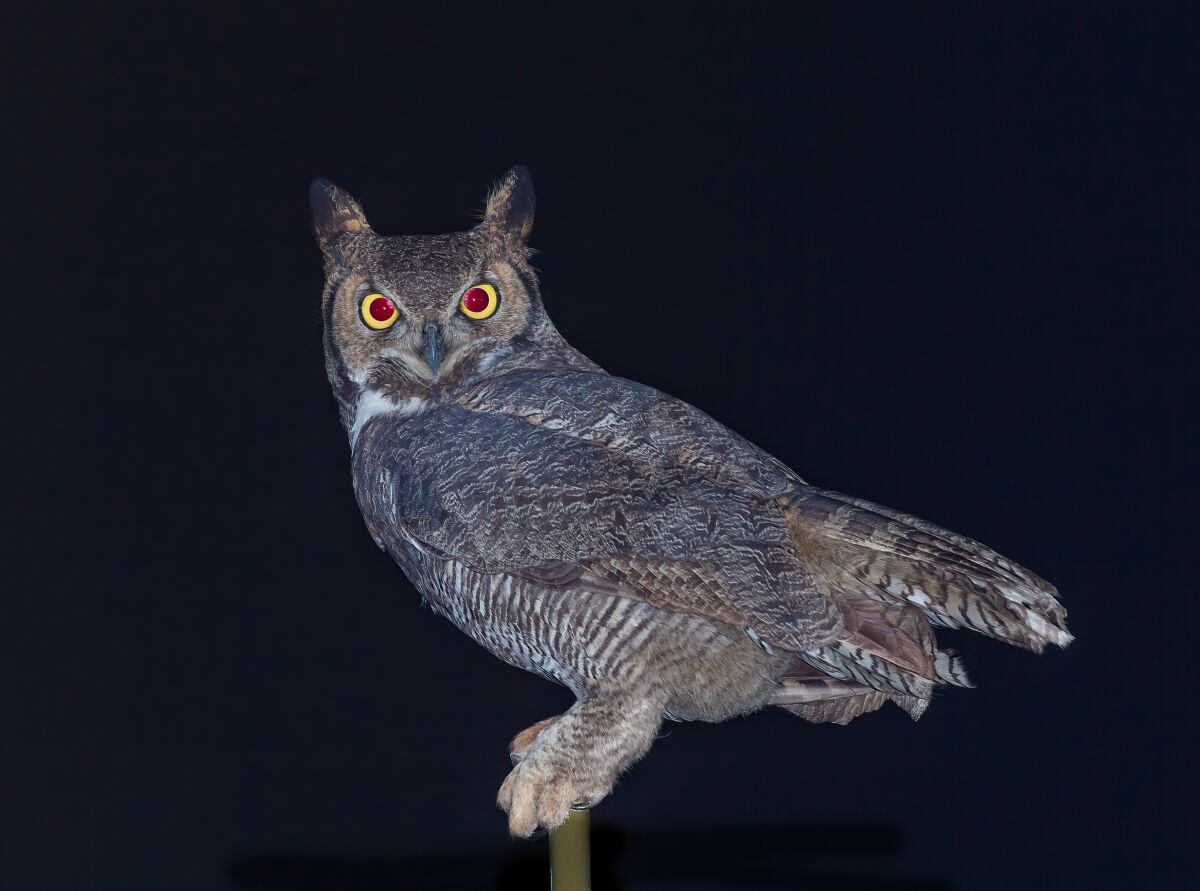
x=515, y=620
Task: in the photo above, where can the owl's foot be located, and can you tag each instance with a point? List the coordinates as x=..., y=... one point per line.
x=577, y=755
x=520, y=744
x=540, y=790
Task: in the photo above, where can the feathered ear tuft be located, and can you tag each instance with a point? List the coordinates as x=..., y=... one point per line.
x=334, y=212
x=510, y=205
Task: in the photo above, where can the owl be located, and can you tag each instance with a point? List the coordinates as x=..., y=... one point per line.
x=611, y=538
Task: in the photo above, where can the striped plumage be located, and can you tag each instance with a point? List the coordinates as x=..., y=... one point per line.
x=614, y=539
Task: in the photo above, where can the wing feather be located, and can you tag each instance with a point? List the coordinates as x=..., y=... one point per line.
x=897, y=557
x=579, y=480
x=512, y=493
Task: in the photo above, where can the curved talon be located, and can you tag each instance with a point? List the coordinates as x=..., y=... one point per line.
x=539, y=793
x=571, y=762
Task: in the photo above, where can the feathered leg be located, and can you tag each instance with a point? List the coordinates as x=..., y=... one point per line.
x=578, y=755
x=522, y=741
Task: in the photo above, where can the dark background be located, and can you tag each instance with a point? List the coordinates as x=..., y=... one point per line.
x=930, y=255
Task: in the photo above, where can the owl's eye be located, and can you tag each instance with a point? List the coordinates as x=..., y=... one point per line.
x=480, y=302
x=379, y=312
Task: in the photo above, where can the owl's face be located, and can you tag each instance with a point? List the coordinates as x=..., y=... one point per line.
x=414, y=316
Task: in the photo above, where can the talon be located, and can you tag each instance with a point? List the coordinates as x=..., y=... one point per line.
x=539, y=791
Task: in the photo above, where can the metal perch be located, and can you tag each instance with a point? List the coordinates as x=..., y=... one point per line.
x=570, y=854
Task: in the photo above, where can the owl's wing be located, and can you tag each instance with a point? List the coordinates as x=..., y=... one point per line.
x=850, y=548
x=585, y=479
x=956, y=582
x=626, y=502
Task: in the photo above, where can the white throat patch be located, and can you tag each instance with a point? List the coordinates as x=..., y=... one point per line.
x=372, y=403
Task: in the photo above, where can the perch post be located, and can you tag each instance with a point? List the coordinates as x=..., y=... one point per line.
x=570, y=857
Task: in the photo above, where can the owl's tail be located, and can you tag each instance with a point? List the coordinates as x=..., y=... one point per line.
x=886, y=652
x=895, y=576
x=956, y=582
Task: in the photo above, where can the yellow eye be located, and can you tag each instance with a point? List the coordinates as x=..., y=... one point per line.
x=379, y=312
x=480, y=302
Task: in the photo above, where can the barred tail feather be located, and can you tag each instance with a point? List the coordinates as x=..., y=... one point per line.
x=956, y=582
x=950, y=669
x=885, y=652
x=842, y=710
x=814, y=696
x=810, y=693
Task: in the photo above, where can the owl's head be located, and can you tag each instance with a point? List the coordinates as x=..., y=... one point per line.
x=421, y=316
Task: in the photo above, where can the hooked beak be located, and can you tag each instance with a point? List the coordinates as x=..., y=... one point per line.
x=433, y=348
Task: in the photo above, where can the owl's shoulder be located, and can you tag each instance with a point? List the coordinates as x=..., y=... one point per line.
x=636, y=419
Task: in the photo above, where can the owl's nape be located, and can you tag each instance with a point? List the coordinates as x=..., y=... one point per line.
x=627, y=545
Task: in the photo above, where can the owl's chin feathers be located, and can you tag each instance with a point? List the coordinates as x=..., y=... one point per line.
x=401, y=373
x=401, y=364
x=402, y=384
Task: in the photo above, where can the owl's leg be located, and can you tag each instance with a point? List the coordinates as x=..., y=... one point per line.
x=578, y=756
x=522, y=741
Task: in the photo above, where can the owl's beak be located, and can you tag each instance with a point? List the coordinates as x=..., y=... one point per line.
x=433, y=348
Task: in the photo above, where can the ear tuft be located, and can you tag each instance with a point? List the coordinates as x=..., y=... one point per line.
x=510, y=205
x=334, y=212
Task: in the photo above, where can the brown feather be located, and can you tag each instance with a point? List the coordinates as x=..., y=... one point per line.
x=894, y=557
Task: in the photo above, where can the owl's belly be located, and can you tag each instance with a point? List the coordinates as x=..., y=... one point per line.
x=588, y=641
x=512, y=619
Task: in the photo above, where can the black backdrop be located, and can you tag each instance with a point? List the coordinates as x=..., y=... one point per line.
x=925, y=255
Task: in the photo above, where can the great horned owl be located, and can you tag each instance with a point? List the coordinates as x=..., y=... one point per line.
x=610, y=537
